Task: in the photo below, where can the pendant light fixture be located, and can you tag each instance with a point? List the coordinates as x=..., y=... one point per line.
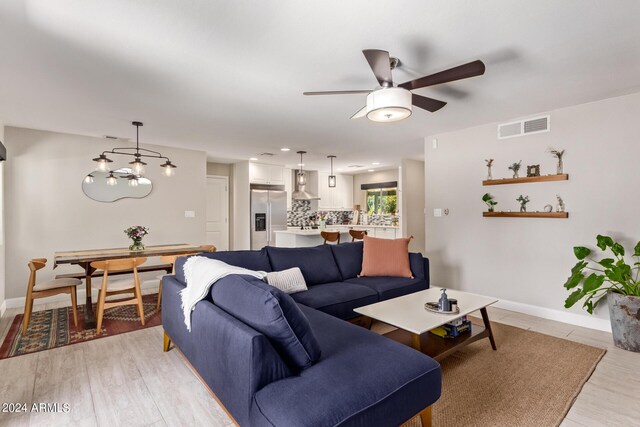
x=133, y=181
x=137, y=164
x=88, y=179
x=111, y=179
x=301, y=179
x=332, y=177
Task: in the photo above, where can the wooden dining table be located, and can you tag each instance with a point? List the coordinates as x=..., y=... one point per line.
x=84, y=258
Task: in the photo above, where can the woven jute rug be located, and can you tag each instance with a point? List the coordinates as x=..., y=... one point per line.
x=531, y=380
x=54, y=328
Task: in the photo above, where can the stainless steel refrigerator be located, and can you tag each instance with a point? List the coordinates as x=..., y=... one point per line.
x=268, y=214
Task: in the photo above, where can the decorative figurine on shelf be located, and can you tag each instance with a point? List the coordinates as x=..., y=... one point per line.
x=488, y=199
x=489, y=164
x=533, y=170
x=560, y=206
x=558, y=155
x=523, y=202
x=515, y=168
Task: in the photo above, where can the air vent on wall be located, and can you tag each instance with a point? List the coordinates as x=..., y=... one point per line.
x=524, y=127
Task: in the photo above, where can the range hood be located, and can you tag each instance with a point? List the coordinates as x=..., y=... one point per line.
x=301, y=194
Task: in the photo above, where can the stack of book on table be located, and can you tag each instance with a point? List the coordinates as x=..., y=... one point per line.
x=453, y=329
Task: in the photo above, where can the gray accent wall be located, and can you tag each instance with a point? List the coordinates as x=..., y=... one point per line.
x=526, y=260
x=46, y=210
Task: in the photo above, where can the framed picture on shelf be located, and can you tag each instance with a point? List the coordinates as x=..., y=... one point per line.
x=533, y=170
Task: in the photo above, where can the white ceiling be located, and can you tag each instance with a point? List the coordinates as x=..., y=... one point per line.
x=227, y=76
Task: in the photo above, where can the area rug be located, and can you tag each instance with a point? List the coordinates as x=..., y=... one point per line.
x=54, y=328
x=531, y=380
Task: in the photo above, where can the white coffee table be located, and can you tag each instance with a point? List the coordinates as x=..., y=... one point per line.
x=407, y=313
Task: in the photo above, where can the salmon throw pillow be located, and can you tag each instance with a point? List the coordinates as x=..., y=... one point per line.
x=386, y=257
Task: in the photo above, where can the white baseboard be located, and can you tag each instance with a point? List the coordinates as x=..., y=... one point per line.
x=586, y=321
x=19, y=302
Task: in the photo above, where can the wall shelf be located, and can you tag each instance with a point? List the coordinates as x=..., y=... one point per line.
x=526, y=179
x=526, y=214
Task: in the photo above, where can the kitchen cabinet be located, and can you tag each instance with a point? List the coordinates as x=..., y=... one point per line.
x=385, y=232
x=266, y=174
x=339, y=197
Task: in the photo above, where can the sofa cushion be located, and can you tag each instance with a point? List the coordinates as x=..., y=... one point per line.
x=251, y=260
x=288, y=281
x=386, y=257
x=317, y=263
x=417, y=264
x=338, y=298
x=362, y=379
x=348, y=257
x=391, y=287
x=272, y=312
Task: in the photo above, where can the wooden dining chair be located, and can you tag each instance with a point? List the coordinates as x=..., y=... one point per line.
x=330, y=236
x=171, y=259
x=357, y=234
x=117, y=287
x=45, y=289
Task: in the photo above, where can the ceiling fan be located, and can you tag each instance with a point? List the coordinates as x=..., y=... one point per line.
x=390, y=102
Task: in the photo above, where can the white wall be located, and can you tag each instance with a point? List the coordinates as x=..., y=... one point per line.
x=526, y=260
x=2, y=230
x=412, y=203
x=359, y=195
x=46, y=210
x=241, y=207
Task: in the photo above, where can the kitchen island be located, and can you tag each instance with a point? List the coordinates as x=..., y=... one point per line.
x=294, y=237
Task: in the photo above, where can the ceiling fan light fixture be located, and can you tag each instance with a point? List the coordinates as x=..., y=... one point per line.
x=388, y=105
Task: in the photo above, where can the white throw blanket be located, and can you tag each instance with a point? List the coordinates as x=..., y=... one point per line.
x=200, y=274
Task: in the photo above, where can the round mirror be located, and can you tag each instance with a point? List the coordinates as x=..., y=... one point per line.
x=119, y=184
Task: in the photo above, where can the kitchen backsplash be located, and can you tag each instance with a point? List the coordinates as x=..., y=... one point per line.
x=301, y=212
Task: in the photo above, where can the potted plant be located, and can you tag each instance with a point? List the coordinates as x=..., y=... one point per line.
x=612, y=278
x=488, y=199
x=136, y=233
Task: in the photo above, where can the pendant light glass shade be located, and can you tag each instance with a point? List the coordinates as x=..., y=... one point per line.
x=301, y=178
x=88, y=179
x=332, y=177
x=133, y=181
x=169, y=169
x=138, y=166
x=111, y=179
x=102, y=163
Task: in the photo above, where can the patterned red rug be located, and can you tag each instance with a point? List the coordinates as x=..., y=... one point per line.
x=54, y=328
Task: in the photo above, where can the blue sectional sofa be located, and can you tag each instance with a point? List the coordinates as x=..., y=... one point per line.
x=274, y=359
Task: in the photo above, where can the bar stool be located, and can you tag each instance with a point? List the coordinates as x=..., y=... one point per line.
x=117, y=287
x=41, y=290
x=330, y=236
x=357, y=234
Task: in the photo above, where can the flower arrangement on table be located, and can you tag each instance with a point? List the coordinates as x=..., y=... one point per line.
x=136, y=233
x=322, y=219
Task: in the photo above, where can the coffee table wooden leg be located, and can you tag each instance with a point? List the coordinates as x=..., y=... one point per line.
x=415, y=342
x=487, y=325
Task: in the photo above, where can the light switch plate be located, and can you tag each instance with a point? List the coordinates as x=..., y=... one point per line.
x=189, y=214
x=437, y=212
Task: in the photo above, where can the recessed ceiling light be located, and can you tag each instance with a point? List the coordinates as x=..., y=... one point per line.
x=375, y=163
x=285, y=149
x=300, y=164
x=372, y=170
x=253, y=159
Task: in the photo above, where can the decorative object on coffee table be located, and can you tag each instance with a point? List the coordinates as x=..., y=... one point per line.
x=515, y=167
x=533, y=170
x=612, y=278
x=523, y=200
x=488, y=199
x=136, y=233
x=560, y=206
x=489, y=164
x=558, y=155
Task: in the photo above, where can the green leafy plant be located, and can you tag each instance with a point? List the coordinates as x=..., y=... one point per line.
x=592, y=279
x=515, y=167
x=488, y=199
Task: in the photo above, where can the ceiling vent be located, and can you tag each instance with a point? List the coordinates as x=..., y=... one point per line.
x=355, y=166
x=524, y=127
x=267, y=154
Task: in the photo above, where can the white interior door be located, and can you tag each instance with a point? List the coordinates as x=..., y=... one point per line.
x=218, y=212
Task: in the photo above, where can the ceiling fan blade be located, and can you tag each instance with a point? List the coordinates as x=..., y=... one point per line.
x=428, y=104
x=471, y=69
x=337, y=92
x=380, y=65
x=360, y=113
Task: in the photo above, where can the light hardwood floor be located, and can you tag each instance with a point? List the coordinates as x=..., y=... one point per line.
x=127, y=380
